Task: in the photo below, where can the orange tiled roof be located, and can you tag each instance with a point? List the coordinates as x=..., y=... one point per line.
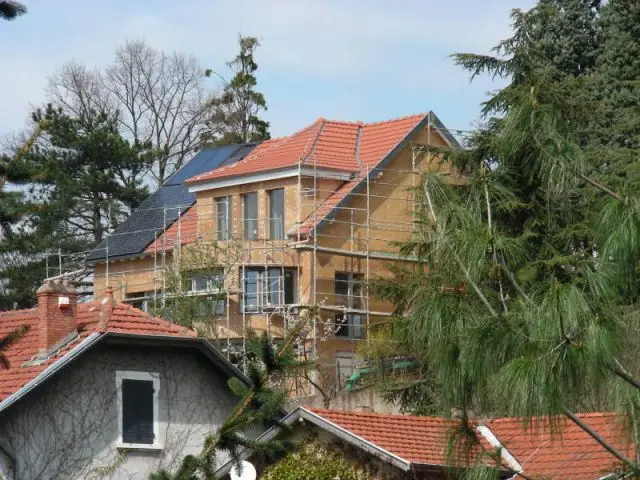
x=414, y=439
x=568, y=454
x=342, y=146
x=184, y=231
x=90, y=318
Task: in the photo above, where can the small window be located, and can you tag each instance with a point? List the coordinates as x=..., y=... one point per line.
x=349, y=326
x=250, y=215
x=276, y=214
x=224, y=220
x=138, y=408
x=348, y=289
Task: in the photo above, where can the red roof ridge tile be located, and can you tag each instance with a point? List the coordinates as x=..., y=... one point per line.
x=398, y=119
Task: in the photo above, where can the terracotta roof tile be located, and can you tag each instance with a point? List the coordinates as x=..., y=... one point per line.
x=415, y=439
x=323, y=144
x=184, y=230
x=566, y=452
x=123, y=319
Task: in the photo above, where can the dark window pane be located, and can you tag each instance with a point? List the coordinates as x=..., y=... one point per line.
x=356, y=291
x=341, y=288
x=276, y=214
x=250, y=212
x=342, y=328
x=201, y=282
x=137, y=411
x=289, y=286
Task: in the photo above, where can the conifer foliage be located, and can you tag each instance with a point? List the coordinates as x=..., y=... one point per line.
x=235, y=113
x=527, y=302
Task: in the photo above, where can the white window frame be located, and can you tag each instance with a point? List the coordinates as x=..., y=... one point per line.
x=148, y=376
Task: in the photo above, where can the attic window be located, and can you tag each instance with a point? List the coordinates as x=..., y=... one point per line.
x=138, y=409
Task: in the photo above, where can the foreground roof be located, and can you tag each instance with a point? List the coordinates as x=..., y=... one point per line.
x=94, y=319
x=163, y=207
x=421, y=440
x=568, y=453
x=532, y=448
x=565, y=452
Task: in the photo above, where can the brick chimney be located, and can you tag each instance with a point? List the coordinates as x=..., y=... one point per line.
x=58, y=307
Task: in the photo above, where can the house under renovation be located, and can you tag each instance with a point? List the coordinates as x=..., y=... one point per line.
x=296, y=224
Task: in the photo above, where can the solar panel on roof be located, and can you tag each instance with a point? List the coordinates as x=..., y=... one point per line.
x=164, y=206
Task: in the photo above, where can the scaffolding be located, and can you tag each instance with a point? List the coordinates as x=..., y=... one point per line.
x=315, y=249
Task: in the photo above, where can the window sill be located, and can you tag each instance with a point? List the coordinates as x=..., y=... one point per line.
x=144, y=447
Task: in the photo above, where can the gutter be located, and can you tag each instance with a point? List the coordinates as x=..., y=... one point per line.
x=51, y=370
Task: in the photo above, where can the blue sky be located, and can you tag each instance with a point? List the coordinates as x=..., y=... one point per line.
x=343, y=60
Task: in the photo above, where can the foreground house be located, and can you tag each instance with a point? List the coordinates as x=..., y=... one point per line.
x=397, y=447
x=104, y=390
x=315, y=216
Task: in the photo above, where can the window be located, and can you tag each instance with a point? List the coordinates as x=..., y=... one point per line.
x=276, y=214
x=224, y=220
x=270, y=287
x=138, y=409
x=345, y=366
x=141, y=300
x=349, y=325
x=348, y=289
x=204, y=282
x=209, y=306
x=250, y=215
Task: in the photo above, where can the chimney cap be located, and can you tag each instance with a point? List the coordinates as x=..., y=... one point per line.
x=60, y=286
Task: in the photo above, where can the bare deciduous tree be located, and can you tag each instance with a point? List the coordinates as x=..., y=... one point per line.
x=161, y=101
x=158, y=96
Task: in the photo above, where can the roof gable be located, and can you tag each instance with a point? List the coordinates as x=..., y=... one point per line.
x=92, y=318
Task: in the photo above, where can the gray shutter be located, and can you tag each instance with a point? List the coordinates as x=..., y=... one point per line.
x=137, y=411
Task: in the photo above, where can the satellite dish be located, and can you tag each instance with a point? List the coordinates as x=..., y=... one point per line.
x=244, y=471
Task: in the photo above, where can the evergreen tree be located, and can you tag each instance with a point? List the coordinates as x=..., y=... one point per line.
x=10, y=9
x=235, y=113
x=529, y=304
x=92, y=174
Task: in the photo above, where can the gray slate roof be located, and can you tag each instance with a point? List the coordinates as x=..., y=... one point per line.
x=161, y=209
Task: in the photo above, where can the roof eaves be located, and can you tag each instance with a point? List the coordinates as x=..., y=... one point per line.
x=76, y=351
x=444, y=131
x=395, y=151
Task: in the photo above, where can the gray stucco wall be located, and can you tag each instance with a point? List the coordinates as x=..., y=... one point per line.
x=68, y=428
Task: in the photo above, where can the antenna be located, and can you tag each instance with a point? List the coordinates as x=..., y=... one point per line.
x=243, y=471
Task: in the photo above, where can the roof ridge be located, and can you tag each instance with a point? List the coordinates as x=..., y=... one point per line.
x=320, y=411
x=304, y=157
x=405, y=117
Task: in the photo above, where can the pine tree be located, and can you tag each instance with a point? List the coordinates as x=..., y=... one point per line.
x=10, y=9
x=529, y=304
x=234, y=117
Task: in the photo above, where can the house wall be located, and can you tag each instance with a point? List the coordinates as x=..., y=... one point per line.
x=68, y=429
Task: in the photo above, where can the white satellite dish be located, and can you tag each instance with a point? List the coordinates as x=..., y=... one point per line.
x=248, y=471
